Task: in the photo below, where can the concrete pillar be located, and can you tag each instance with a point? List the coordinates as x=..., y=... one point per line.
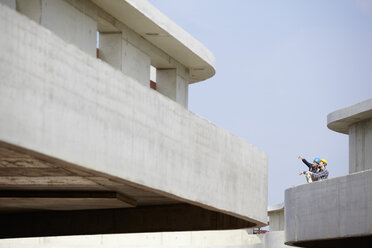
x=63, y=19
x=360, y=146
x=110, y=49
x=9, y=3
x=70, y=24
x=172, y=85
x=30, y=8
x=277, y=220
x=182, y=93
x=166, y=81
x=136, y=63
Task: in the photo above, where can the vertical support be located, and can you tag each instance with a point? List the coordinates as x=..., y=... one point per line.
x=182, y=91
x=70, y=24
x=110, y=46
x=360, y=146
x=30, y=8
x=166, y=82
x=135, y=63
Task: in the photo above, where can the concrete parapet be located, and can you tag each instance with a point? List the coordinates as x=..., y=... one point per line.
x=335, y=212
x=57, y=101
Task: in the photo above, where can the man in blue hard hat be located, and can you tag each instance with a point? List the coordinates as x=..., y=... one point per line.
x=313, y=168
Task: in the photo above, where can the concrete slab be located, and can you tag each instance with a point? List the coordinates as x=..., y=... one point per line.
x=341, y=120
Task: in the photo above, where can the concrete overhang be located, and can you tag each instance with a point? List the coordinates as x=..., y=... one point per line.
x=335, y=212
x=158, y=29
x=86, y=149
x=341, y=120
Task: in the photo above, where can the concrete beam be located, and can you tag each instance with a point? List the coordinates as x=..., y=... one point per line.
x=330, y=213
x=178, y=217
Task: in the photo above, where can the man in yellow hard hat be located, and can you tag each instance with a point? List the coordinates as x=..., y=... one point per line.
x=322, y=173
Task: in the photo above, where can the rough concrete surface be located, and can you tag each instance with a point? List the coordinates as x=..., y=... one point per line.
x=326, y=212
x=215, y=239
x=58, y=101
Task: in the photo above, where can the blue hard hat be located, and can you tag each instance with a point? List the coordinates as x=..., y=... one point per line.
x=317, y=160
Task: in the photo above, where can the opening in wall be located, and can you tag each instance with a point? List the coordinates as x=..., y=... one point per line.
x=152, y=77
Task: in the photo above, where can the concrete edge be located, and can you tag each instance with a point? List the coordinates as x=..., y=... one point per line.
x=340, y=120
x=200, y=61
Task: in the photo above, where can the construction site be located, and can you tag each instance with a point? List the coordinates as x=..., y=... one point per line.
x=98, y=147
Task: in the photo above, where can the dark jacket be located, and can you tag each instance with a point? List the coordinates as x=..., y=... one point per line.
x=310, y=165
x=322, y=174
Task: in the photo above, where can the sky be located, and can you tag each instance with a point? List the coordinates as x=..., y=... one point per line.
x=281, y=68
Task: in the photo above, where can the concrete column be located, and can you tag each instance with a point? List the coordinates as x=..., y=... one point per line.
x=173, y=85
x=166, y=82
x=182, y=92
x=70, y=24
x=110, y=49
x=30, y=8
x=360, y=146
x=135, y=63
x=9, y=3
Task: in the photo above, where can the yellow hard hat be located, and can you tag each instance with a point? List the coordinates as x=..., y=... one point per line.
x=325, y=161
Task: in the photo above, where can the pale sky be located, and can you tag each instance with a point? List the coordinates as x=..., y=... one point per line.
x=281, y=68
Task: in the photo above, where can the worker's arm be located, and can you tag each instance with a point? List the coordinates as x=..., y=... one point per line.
x=307, y=163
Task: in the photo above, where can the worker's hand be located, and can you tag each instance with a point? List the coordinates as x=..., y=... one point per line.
x=299, y=157
x=301, y=173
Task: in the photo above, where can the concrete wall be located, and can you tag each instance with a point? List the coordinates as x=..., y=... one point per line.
x=274, y=239
x=360, y=146
x=215, y=239
x=277, y=220
x=73, y=107
x=210, y=239
x=329, y=210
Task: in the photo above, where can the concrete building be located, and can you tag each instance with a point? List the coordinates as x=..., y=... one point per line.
x=337, y=212
x=87, y=146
